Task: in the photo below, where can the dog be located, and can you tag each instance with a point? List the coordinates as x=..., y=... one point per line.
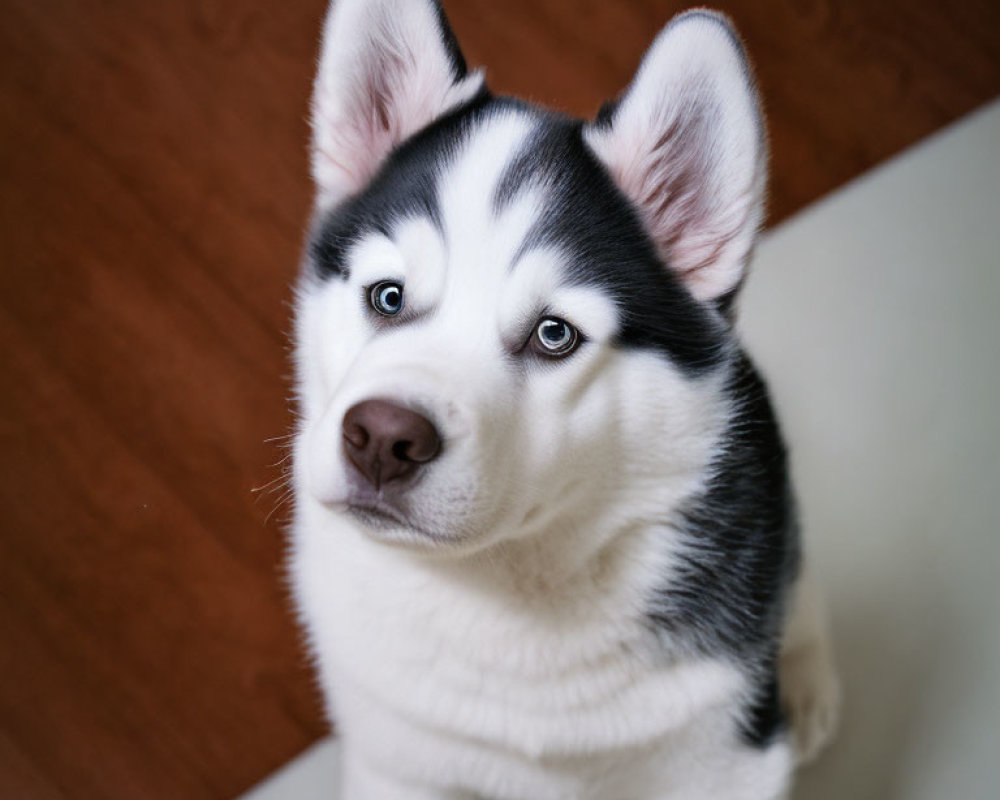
x=544, y=543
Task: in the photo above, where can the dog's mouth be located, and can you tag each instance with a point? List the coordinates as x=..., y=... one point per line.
x=388, y=523
x=377, y=515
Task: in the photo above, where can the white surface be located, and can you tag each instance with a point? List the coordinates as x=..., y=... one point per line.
x=875, y=315
x=311, y=776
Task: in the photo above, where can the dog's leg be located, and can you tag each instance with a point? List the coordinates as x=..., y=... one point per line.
x=810, y=689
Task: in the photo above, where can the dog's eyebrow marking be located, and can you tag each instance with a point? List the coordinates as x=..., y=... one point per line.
x=422, y=251
x=516, y=176
x=550, y=164
x=526, y=293
x=535, y=163
x=482, y=161
x=536, y=286
x=589, y=309
x=375, y=257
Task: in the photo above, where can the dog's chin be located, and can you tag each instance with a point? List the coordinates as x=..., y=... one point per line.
x=386, y=523
x=397, y=518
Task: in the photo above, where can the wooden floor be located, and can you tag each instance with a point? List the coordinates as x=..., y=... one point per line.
x=154, y=192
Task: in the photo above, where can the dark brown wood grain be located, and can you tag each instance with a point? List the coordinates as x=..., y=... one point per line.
x=154, y=193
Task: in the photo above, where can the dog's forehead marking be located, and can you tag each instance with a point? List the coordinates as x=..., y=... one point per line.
x=491, y=258
x=472, y=231
x=479, y=247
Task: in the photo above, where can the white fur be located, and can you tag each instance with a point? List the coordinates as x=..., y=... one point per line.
x=498, y=647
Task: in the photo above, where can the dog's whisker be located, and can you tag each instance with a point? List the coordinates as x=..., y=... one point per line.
x=281, y=502
x=281, y=479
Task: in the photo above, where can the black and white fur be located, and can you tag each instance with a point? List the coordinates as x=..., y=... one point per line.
x=595, y=589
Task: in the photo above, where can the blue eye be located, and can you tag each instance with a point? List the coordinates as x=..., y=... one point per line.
x=555, y=337
x=386, y=298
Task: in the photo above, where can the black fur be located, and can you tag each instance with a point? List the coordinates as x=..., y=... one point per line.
x=606, y=113
x=741, y=535
x=741, y=553
x=764, y=718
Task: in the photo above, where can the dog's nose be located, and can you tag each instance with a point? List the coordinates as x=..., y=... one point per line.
x=386, y=442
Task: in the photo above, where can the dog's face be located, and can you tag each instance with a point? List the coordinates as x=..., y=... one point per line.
x=511, y=322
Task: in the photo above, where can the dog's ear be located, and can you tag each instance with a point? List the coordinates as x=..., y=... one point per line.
x=686, y=143
x=387, y=69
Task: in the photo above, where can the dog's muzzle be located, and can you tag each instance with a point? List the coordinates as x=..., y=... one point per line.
x=385, y=442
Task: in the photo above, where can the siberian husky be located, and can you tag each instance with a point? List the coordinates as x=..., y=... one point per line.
x=544, y=545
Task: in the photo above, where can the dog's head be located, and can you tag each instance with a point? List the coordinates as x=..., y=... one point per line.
x=510, y=321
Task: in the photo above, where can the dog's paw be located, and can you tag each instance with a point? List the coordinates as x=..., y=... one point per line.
x=811, y=697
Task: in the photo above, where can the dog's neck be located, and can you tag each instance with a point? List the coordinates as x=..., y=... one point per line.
x=571, y=567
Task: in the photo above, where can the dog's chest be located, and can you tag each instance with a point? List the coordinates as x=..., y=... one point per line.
x=583, y=675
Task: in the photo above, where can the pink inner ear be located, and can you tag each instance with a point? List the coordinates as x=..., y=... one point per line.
x=685, y=144
x=691, y=217
x=374, y=93
x=372, y=126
